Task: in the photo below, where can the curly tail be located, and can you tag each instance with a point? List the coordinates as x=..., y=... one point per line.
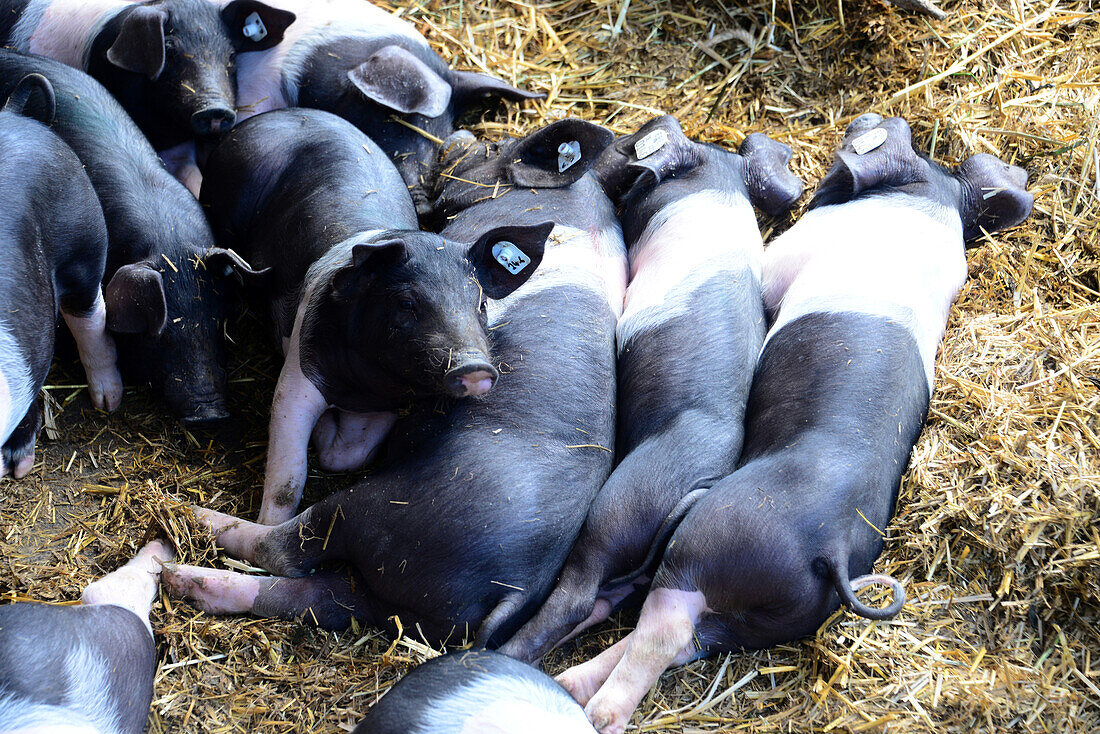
x=847, y=590
x=664, y=534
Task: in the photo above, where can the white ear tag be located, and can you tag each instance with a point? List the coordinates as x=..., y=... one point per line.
x=869, y=140
x=650, y=144
x=568, y=154
x=254, y=28
x=511, y=257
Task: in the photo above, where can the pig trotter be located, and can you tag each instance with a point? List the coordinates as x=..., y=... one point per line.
x=583, y=681
x=17, y=455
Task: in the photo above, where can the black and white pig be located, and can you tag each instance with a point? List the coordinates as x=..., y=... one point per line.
x=464, y=525
x=165, y=282
x=691, y=330
x=84, y=669
x=475, y=692
x=860, y=288
x=53, y=243
x=170, y=63
x=370, y=311
x=352, y=58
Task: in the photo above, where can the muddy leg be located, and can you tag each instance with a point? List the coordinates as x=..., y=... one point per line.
x=662, y=639
x=134, y=585
x=97, y=354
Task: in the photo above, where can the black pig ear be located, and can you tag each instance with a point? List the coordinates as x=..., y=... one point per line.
x=255, y=26
x=995, y=195
x=139, y=46
x=43, y=109
x=558, y=154
x=875, y=153
x=224, y=262
x=395, y=78
x=469, y=87
x=367, y=258
x=772, y=188
x=657, y=152
x=505, y=257
x=135, y=301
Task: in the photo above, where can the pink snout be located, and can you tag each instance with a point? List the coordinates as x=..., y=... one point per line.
x=471, y=379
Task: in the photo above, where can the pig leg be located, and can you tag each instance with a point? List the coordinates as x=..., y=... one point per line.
x=134, y=585
x=345, y=441
x=297, y=406
x=663, y=638
x=18, y=451
x=329, y=600
x=584, y=680
x=97, y=352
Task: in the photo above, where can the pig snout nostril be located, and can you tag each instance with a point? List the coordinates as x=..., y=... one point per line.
x=471, y=380
x=213, y=120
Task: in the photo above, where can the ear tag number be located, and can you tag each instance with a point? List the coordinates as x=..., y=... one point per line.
x=869, y=140
x=650, y=144
x=254, y=28
x=568, y=154
x=510, y=257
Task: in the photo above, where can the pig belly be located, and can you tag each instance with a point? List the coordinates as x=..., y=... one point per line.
x=268, y=80
x=575, y=258
x=64, y=29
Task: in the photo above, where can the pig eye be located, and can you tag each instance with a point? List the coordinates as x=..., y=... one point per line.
x=406, y=304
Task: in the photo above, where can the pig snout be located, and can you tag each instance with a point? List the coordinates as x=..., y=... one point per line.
x=473, y=377
x=213, y=120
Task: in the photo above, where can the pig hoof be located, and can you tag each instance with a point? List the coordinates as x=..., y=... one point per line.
x=606, y=718
x=18, y=460
x=575, y=687
x=105, y=388
x=23, y=467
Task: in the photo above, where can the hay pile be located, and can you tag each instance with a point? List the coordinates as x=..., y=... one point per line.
x=997, y=536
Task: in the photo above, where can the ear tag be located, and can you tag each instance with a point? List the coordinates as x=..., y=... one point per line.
x=513, y=259
x=869, y=140
x=568, y=154
x=254, y=28
x=650, y=144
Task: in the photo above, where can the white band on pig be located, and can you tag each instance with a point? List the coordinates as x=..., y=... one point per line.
x=254, y=28
x=869, y=140
x=16, y=384
x=511, y=257
x=650, y=144
x=568, y=154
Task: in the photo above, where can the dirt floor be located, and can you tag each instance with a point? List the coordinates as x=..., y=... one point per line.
x=997, y=531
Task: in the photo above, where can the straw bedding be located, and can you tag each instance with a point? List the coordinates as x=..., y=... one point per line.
x=997, y=530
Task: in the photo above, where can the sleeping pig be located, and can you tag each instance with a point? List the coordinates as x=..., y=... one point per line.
x=860, y=289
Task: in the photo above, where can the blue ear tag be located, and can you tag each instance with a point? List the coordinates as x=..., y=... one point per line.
x=511, y=257
x=568, y=154
x=254, y=28
x=869, y=140
x=650, y=144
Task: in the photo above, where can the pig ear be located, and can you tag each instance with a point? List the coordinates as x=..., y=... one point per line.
x=366, y=259
x=395, y=78
x=222, y=262
x=24, y=91
x=255, y=26
x=558, y=154
x=875, y=153
x=995, y=195
x=470, y=87
x=505, y=257
x=135, y=301
x=772, y=188
x=139, y=46
x=657, y=151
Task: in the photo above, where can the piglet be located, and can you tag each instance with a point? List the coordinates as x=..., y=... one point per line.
x=165, y=283
x=475, y=691
x=352, y=58
x=85, y=668
x=370, y=311
x=860, y=288
x=692, y=326
x=54, y=244
x=170, y=63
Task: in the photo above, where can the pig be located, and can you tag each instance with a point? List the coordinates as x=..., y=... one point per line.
x=88, y=668
x=54, y=245
x=352, y=58
x=370, y=311
x=860, y=288
x=462, y=526
x=165, y=282
x=475, y=691
x=169, y=63
x=692, y=327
